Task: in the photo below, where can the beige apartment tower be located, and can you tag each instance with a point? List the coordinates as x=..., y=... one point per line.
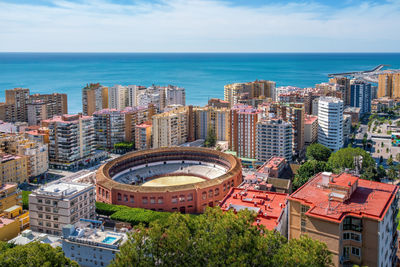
x=94, y=98
x=389, y=85
x=18, y=98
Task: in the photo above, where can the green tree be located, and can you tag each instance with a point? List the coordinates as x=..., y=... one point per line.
x=211, y=138
x=398, y=157
x=303, y=252
x=344, y=158
x=216, y=238
x=389, y=161
x=371, y=173
x=33, y=254
x=318, y=152
x=308, y=170
x=393, y=173
x=381, y=172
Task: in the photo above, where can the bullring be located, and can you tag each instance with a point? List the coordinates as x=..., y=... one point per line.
x=183, y=179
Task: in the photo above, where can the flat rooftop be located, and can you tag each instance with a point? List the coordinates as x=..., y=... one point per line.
x=61, y=188
x=267, y=205
x=368, y=198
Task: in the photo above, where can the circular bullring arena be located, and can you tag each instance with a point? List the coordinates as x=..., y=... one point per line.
x=183, y=179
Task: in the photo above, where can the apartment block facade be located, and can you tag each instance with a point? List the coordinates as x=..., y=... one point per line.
x=37, y=111
x=330, y=122
x=94, y=98
x=242, y=139
x=135, y=116
x=216, y=118
x=389, y=85
x=345, y=82
x=57, y=104
x=10, y=195
x=13, y=168
x=233, y=93
x=355, y=218
x=361, y=96
x=71, y=140
x=36, y=152
x=143, y=136
x=173, y=128
x=60, y=203
x=310, y=129
x=18, y=98
x=109, y=127
x=273, y=139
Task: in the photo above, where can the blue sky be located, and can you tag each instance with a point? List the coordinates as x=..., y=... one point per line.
x=199, y=26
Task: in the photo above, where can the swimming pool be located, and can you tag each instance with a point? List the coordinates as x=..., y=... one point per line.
x=109, y=240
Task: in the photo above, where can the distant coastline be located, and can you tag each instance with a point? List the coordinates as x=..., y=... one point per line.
x=202, y=74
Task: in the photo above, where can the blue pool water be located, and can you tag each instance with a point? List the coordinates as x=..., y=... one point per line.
x=202, y=74
x=109, y=240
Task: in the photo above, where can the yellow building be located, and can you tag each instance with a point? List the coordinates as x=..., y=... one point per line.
x=235, y=92
x=389, y=85
x=173, y=128
x=94, y=98
x=143, y=136
x=12, y=222
x=10, y=196
x=13, y=169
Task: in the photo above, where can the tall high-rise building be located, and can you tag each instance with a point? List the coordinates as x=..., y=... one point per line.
x=355, y=218
x=37, y=111
x=344, y=81
x=173, y=128
x=216, y=118
x=294, y=114
x=172, y=95
x=109, y=125
x=389, y=85
x=94, y=98
x=273, y=139
x=361, y=96
x=330, y=122
x=242, y=139
x=18, y=98
x=72, y=140
x=57, y=104
x=133, y=92
x=143, y=136
x=118, y=97
x=310, y=129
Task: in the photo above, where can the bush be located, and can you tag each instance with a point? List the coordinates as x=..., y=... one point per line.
x=25, y=199
x=134, y=216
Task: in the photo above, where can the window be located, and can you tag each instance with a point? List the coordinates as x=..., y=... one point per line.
x=355, y=251
x=303, y=224
x=125, y=198
x=174, y=199
x=204, y=195
x=210, y=193
x=216, y=191
x=40, y=215
x=160, y=200
x=144, y=200
x=181, y=198
x=132, y=199
x=152, y=200
x=119, y=197
x=352, y=236
x=224, y=187
x=47, y=201
x=190, y=197
x=352, y=223
x=304, y=209
x=40, y=201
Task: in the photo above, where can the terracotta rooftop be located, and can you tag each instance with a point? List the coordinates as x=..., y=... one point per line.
x=309, y=119
x=364, y=198
x=272, y=163
x=268, y=205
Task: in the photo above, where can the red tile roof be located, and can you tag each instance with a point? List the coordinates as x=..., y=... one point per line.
x=268, y=205
x=310, y=119
x=368, y=199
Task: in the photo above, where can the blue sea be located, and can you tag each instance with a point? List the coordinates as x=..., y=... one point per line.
x=202, y=74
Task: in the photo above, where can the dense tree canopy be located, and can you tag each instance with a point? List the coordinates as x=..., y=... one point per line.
x=211, y=138
x=217, y=238
x=308, y=170
x=344, y=158
x=318, y=152
x=33, y=254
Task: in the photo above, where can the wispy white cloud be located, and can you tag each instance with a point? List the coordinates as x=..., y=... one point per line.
x=198, y=25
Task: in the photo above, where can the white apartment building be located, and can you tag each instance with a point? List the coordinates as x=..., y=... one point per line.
x=172, y=95
x=273, y=139
x=72, y=140
x=330, y=122
x=60, y=203
x=118, y=97
x=109, y=127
